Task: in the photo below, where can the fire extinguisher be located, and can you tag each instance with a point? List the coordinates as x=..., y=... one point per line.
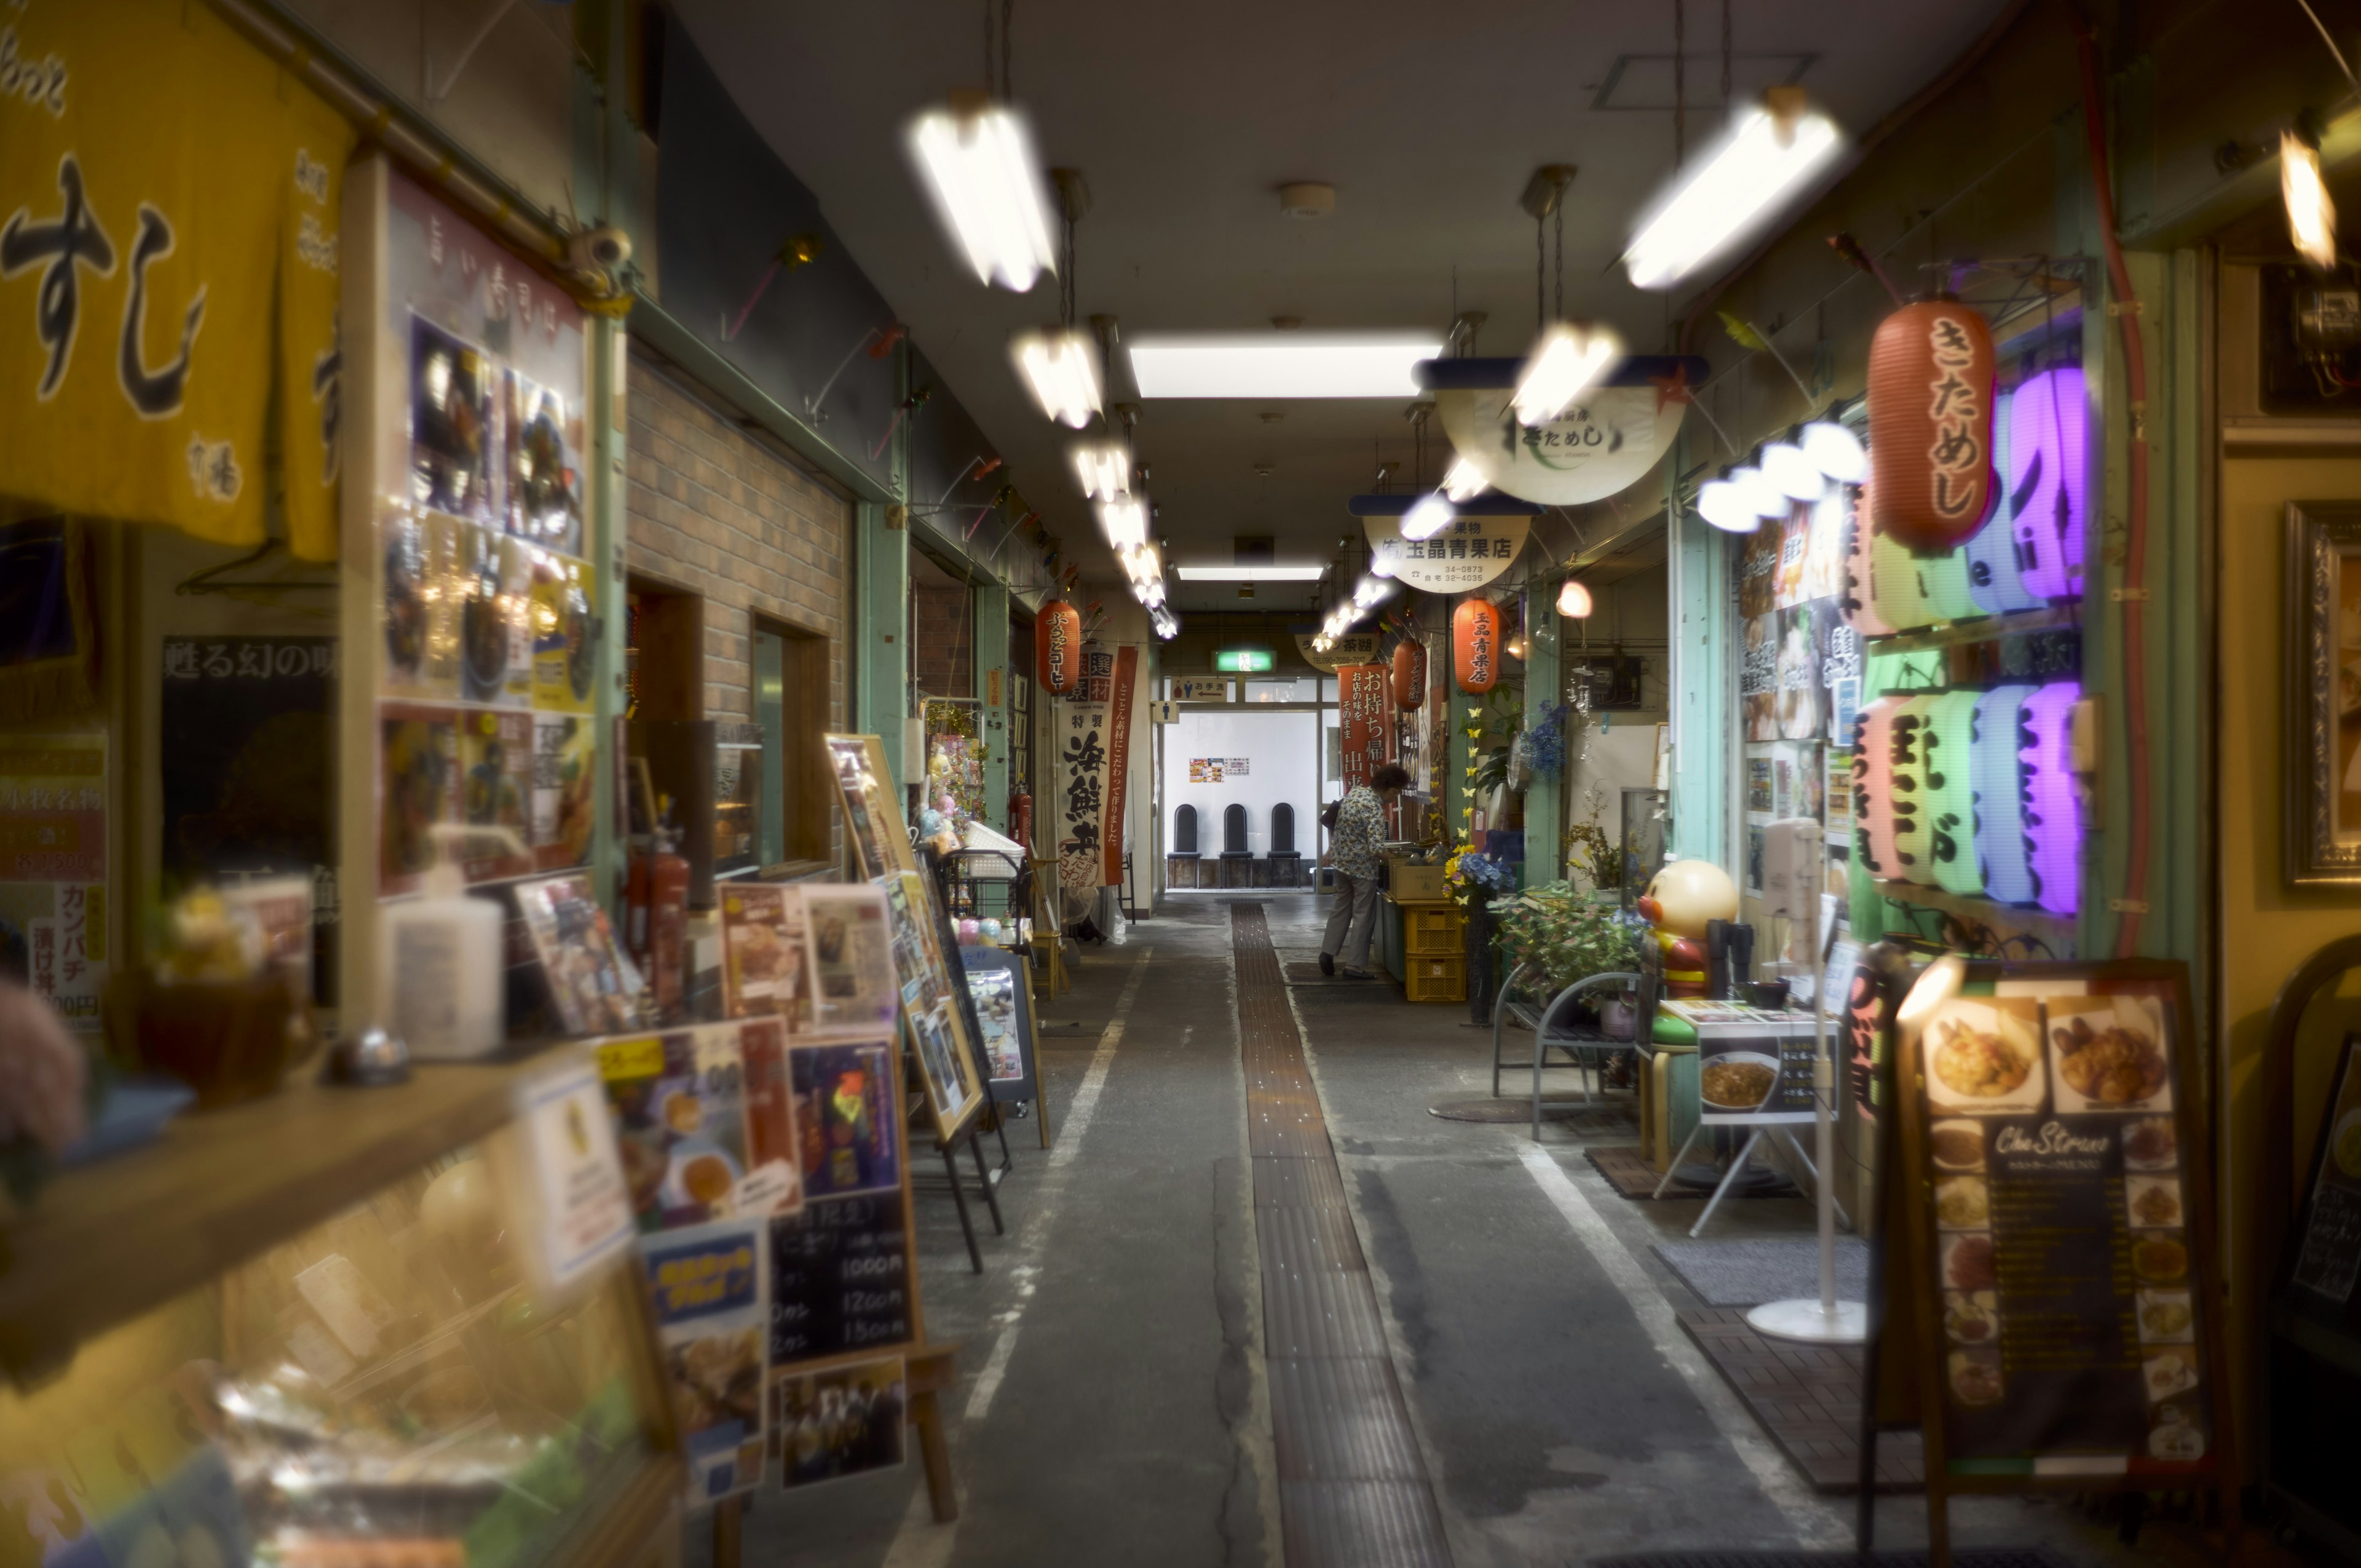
x=1020, y=816
x=655, y=912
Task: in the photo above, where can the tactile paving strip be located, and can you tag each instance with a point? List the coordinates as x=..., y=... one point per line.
x=1353, y=1485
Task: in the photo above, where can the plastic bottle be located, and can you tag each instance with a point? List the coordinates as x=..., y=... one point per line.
x=441, y=959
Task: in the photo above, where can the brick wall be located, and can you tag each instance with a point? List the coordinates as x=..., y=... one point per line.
x=942, y=639
x=716, y=512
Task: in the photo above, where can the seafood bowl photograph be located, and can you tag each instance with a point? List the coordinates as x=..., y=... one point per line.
x=1738, y=1080
x=1983, y=1057
x=2152, y=1203
x=2166, y=1316
x=2108, y=1054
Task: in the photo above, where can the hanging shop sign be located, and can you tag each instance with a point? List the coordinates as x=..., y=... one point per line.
x=1203, y=688
x=1476, y=546
x=2048, y=457
x=1930, y=424
x=1361, y=705
x=1057, y=644
x=165, y=315
x=1602, y=445
x=1410, y=674
x=1093, y=759
x=1349, y=648
x=1476, y=646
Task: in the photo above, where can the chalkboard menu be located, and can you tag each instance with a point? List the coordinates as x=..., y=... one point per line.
x=2328, y=1246
x=2064, y=1230
x=840, y=1278
x=1754, y=1065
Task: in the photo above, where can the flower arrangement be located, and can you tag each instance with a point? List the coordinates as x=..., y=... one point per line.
x=1545, y=748
x=1470, y=871
x=1565, y=938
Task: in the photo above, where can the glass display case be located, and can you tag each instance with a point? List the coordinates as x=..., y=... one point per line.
x=737, y=800
x=383, y=1390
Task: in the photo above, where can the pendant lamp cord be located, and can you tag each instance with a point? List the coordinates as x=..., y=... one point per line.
x=1725, y=56
x=1680, y=84
x=1004, y=87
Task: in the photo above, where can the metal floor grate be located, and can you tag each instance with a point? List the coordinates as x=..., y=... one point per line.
x=1354, y=1490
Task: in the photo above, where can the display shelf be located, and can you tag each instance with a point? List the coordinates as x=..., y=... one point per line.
x=102, y=1244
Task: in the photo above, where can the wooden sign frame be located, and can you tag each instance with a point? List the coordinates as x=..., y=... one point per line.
x=1903, y=1377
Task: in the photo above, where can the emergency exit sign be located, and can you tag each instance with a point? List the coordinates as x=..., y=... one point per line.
x=1243, y=661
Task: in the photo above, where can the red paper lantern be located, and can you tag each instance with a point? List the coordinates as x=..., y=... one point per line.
x=1930, y=424
x=1410, y=674
x=1476, y=646
x=1057, y=646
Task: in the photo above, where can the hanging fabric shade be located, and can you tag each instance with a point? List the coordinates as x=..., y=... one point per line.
x=1930, y=422
x=1947, y=752
x=1872, y=788
x=1476, y=646
x=1057, y=646
x=2048, y=448
x=1993, y=579
x=1859, y=601
x=2001, y=847
x=2053, y=826
x=1914, y=839
x=1410, y=674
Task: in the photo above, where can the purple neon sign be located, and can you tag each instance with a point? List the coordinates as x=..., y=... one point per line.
x=2048, y=450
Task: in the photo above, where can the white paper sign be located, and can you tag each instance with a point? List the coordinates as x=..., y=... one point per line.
x=569, y=1147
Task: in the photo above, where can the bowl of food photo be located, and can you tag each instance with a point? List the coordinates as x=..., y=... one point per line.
x=1983, y=1057
x=2108, y=1053
x=1737, y=1080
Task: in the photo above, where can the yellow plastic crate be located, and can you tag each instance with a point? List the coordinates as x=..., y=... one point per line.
x=1435, y=979
x=1433, y=928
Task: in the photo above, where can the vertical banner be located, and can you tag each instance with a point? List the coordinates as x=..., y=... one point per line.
x=1362, y=706
x=1111, y=840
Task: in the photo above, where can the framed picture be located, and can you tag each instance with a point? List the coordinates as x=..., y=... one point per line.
x=2323, y=693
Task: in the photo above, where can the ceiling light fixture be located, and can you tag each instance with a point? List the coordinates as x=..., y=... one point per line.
x=1251, y=574
x=1573, y=599
x=1728, y=506
x=1567, y=361
x=1768, y=154
x=1835, y=451
x=1371, y=591
x=1301, y=364
x=1103, y=469
x=1765, y=498
x=1463, y=482
x=1791, y=473
x=1061, y=366
x=1124, y=523
x=977, y=160
x=2312, y=216
x=1429, y=517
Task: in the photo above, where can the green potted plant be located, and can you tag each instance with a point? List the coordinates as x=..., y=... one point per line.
x=1562, y=937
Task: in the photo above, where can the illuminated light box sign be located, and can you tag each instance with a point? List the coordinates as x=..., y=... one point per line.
x=1872, y=792
x=1243, y=661
x=1995, y=579
x=2005, y=856
x=1913, y=845
x=2048, y=450
x=2053, y=827
x=1859, y=600
x=1947, y=752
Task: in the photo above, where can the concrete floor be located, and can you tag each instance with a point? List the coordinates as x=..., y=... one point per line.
x=1111, y=1406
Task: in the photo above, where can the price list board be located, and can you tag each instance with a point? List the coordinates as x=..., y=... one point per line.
x=2063, y=1233
x=841, y=1279
x=1754, y=1064
x=2328, y=1244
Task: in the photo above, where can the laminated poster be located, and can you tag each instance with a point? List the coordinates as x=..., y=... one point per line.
x=994, y=991
x=704, y=1124
x=853, y=979
x=847, y=1118
x=53, y=870
x=574, y=1187
x=1754, y=1065
x=763, y=968
x=708, y=1286
x=593, y=988
x=562, y=756
x=418, y=786
x=2328, y=1258
x=543, y=442
x=849, y=1420
x=2067, y=1290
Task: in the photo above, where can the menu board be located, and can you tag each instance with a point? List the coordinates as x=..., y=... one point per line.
x=1754, y=1064
x=2066, y=1282
x=704, y=1122
x=705, y=1283
x=2328, y=1255
x=840, y=1278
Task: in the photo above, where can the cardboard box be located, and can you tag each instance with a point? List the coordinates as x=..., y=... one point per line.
x=1407, y=883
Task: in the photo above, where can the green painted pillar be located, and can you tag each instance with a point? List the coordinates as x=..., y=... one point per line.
x=1545, y=679
x=991, y=695
x=881, y=661
x=1704, y=710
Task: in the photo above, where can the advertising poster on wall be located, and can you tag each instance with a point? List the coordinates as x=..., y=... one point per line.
x=54, y=852
x=846, y=1422
x=1361, y=706
x=708, y=1285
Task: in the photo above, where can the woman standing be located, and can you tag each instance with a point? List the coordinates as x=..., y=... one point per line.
x=1360, y=829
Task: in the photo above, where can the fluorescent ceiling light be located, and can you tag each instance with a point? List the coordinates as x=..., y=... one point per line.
x=1251, y=574
x=1835, y=451
x=1061, y=366
x=1371, y=591
x=1793, y=474
x=2312, y=216
x=1140, y=564
x=1430, y=517
x=1566, y=362
x=1297, y=365
x=1728, y=506
x=1124, y=523
x=1465, y=482
x=986, y=185
x=1764, y=160
x=1103, y=469
x=1765, y=498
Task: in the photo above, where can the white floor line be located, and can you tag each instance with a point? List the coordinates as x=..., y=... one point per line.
x=920, y=1543
x=1815, y=1523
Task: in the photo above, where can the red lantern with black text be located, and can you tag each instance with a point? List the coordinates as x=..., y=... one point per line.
x=1476, y=646
x=1057, y=646
x=1410, y=674
x=1930, y=424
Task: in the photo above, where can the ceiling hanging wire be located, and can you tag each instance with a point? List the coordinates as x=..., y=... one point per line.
x=1680, y=82
x=1725, y=57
